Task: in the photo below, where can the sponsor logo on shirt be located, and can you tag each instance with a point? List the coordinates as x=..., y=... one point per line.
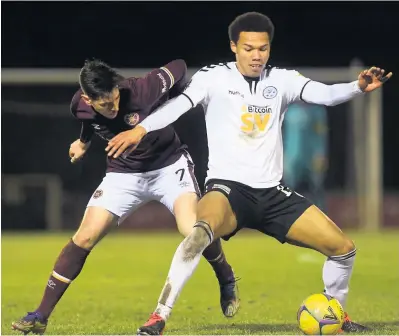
x=255, y=117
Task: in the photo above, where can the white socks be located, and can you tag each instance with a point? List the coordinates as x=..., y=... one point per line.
x=184, y=263
x=337, y=272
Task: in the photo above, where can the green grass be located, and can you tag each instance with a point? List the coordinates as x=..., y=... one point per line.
x=122, y=279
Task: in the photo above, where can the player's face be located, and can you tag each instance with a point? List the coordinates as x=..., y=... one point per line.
x=252, y=52
x=108, y=106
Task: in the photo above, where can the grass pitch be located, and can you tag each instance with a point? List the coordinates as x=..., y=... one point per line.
x=122, y=279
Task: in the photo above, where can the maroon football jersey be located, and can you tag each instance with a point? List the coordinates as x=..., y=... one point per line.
x=139, y=97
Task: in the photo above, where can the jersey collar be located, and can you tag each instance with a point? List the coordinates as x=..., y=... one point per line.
x=263, y=74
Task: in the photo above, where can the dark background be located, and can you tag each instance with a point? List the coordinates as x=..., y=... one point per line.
x=150, y=34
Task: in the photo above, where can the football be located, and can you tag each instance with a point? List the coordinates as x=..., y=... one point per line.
x=320, y=314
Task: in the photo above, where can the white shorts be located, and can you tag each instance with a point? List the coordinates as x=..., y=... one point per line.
x=123, y=193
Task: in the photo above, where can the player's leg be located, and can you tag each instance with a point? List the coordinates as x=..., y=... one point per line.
x=180, y=190
x=291, y=218
x=107, y=204
x=215, y=219
x=95, y=224
x=302, y=224
x=185, y=208
x=316, y=230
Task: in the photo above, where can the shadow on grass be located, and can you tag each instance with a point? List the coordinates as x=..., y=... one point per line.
x=250, y=328
x=263, y=328
x=383, y=325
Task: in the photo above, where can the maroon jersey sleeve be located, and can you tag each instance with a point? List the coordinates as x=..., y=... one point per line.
x=80, y=113
x=86, y=132
x=155, y=84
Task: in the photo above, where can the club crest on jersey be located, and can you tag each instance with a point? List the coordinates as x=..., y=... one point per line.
x=270, y=92
x=97, y=194
x=131, y=119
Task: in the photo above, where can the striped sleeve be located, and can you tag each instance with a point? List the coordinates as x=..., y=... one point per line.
x=158, y=82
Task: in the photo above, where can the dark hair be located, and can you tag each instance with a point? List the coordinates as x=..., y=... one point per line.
x=97, y=79
x=251, y=22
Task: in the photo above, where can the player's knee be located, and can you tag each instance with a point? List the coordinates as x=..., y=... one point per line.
x=84, y=240
x=347, y=246
x=86, y=237
x=185, y=230
x=342, y=246
x=95, y=224
x=213, y=209
x=185, y=210
x=185, y=222
x=197, y=241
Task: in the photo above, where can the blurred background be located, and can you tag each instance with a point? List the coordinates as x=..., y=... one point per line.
x=344, y=158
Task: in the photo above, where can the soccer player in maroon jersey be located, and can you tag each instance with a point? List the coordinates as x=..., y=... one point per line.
x=159, y=169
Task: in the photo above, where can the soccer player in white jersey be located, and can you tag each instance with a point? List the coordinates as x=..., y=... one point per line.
x=245, y=102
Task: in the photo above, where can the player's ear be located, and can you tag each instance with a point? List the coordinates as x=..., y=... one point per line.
x=233, y=47
x=86, y=99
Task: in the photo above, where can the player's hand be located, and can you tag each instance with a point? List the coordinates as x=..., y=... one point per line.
x=124, y=140
x=372, y=79
x=77, y=150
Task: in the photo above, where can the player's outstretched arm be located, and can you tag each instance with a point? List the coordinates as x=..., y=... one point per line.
x=330, y=95
x=167, y=114
x=195, y=93
x=161, y=118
